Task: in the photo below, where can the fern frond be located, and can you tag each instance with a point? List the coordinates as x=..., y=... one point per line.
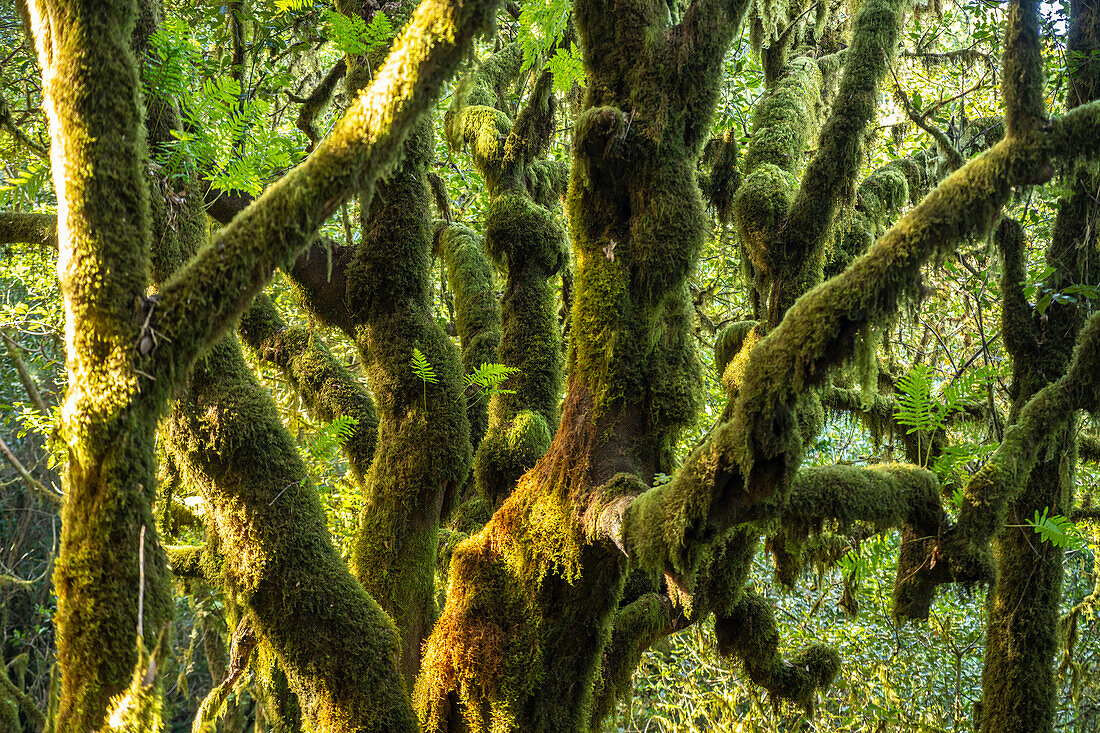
x=422, y=368
x=331, y=436
x=1057, y=530
x=488, y=378
x=915, y=408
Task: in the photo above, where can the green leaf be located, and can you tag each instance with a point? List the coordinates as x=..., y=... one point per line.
x=541, y=24
x=353, y=36
x=567, y=66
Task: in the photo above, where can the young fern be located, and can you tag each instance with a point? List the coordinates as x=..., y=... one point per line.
x=423, y=369
x=488, y=378
x=330, y=437
x=922, y=412
x=1057, y=530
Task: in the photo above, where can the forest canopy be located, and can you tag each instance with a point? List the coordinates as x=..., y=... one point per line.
x=605, y=365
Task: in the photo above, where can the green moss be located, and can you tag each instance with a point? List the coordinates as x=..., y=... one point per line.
x=883, y=193
x=525, y=240
x=406, y=492
x=786, y=119
x=477, y=312
x=1055, y=365
x=92, y=95
x=720, y=186
x=138, y=708
x=729, y=342
x=281, y=710
x=326, y=386
x=510, y=448
x=761, y=208
x=279, y=557
x=748, y=632
x=636, y=627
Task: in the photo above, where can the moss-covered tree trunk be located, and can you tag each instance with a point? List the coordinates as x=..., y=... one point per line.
x=532, y=596
x=92, y=98
x=128, y=352
x=422, y=456
x=524, y=239
x=1019, y=686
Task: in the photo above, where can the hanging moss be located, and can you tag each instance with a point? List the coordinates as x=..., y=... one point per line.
x=720, y=186
x=282, y=713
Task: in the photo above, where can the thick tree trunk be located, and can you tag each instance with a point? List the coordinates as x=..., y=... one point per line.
x=109, y=554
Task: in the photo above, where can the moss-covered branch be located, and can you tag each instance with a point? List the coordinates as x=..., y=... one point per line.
x=993, y=487
x=477, y=312
x=832, y=171
x=316, y=101
x=748, y=632
x=523, y=238
x=18, y=227
x=7, y=122
x=761, y=444
x=213, y=707
x=28, y=382
x=533, y=595
x=637, y=627
x=320, y=277
x=23, y=702
x=422, y=456
x=883, y=194
x=193, y=562
x=278, y=554
x=200, y=302
x=327, y=387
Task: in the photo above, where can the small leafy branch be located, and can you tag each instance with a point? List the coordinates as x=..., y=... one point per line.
x=488, y=378
x=423, y=369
